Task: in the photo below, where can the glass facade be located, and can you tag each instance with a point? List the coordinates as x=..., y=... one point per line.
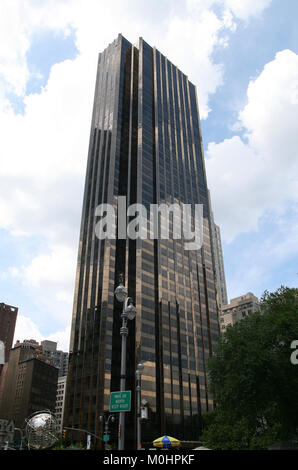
x=145, y=144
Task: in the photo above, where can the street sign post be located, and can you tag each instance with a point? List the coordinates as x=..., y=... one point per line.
x=120, y=401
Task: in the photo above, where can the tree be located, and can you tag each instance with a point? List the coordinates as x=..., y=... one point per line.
x=252, y=379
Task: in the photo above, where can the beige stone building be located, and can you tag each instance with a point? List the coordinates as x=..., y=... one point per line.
x=237, y=309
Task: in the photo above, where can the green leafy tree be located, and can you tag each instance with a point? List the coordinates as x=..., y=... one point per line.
x=252, y=379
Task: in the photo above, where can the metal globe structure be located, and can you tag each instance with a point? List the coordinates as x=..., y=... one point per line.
x=41, y=430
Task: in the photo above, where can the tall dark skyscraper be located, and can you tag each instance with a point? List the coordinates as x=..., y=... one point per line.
x=145, y=144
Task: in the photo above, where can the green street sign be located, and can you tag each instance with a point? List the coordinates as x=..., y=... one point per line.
x=120, y=401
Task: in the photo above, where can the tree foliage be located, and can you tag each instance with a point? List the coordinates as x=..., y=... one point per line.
x=252, y=380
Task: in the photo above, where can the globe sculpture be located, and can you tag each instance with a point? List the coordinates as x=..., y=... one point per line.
x=41, y=430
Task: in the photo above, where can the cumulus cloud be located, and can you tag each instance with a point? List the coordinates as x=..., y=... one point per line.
x=245, y=9
x=27, y=329
x=49, y=279
x=198, y=28
x=56, y=268
x=43, y=152
x=257, y=173
x=44, y=156
x=198, y=35
x=14, y=43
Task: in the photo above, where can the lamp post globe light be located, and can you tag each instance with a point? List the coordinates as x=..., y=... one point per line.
x=128, y=313
x=121, y=292
x=139, y=371
x=130, y=309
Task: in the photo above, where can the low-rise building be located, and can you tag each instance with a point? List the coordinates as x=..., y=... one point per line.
x=59, y=358
x=30, y=385
x=237, y=309
x=47, y=351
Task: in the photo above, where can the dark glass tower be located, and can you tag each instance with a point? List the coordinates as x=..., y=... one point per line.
x=145, y=144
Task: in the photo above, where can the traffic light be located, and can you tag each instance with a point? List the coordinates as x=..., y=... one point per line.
x=63, y=433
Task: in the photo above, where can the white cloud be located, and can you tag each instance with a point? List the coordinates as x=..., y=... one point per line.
x=198, y=34
x=42, y=168
x=98, y=24
x=248, y=178
x=27, y=329
x=193, y=22
x=56, y=268
x=49, y=279
x=245, y=9
x=14, y=43
x=272, y=106
x=62, y=337
x=43, y=152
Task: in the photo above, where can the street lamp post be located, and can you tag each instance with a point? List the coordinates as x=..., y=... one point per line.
x=128, y=313
x=139, y=390
x=106, y=422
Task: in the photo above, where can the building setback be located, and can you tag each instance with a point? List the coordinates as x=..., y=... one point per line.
x=221, y=288
x=145, y=144
x=221, y=278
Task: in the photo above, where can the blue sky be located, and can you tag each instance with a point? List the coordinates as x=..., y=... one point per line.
x=242, y=55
